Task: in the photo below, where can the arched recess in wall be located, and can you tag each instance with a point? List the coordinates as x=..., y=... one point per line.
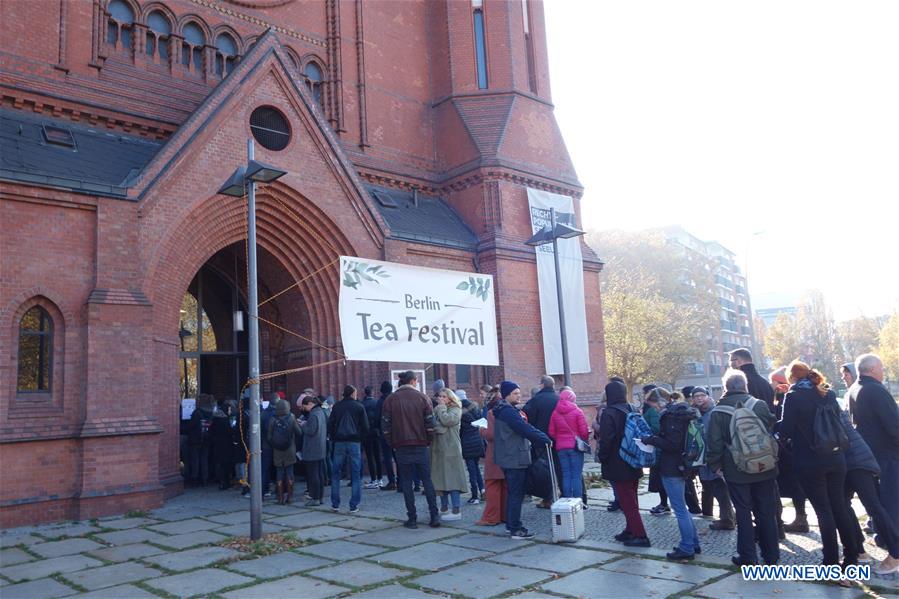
x=160, y=22
x=228, y=50
x=313, y=71
x=195, y=36
x=36, y=341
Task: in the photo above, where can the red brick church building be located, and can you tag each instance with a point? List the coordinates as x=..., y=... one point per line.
x=410, y=132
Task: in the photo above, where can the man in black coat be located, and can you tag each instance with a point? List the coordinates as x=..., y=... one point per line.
x=539, y=410
x=759, y=387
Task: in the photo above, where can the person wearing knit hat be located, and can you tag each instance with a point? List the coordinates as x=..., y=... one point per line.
x=567, y=425
x=512, y=453
x=623, y=476
x=713, y=486
x=539, y=410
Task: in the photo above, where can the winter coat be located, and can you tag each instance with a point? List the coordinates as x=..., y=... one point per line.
x=758, y=386
x=343, y=409
x=539, y=409
x=876, y=416
x=281, y=458
x=706, y=473
x=513, y=437
x=491, y=470
x=611, y=432
x=859, y=455
x=315, y=435
x=373, y=413
x=448, y=471
x=717, y=451
x=566, y=423
x=222, y=443
x=472, y=443
x=195, y=435
x=407, y=418
x=671, y=438
x=797, y=423
x=651, y=416
x=265, y=416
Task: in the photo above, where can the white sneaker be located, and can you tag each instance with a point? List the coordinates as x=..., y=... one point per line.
x=450, y=516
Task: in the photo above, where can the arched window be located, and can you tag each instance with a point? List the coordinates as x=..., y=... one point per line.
x=480, y=43
x=225, y=54
x=314, y=79
x=35, y=351
x=158, y=31
x=119, y=25
x=192, y=48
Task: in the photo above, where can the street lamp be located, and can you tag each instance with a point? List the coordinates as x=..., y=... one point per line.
x=551, y=234
x=243, y=182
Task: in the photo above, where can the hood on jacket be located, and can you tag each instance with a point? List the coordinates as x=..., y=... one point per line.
x=616, y=393
x=566, y=407
x=681, y=411
x=282, y=408
x=850, y=366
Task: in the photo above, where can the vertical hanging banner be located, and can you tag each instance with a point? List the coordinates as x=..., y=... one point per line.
x=393, y=312
x=571, y=268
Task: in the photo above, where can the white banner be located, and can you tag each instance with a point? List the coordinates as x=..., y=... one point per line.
x=571, y=267
x=393, y=312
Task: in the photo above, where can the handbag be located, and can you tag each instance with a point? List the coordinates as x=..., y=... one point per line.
x=579, y=444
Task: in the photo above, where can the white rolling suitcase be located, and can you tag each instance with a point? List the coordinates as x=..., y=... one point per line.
x=567, y=514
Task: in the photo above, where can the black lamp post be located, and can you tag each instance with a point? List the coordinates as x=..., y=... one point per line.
x=243, y=182
x=551, y=234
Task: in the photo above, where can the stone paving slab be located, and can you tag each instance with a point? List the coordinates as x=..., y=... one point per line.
x=324, y=533
x=45, y=587
x=125, y=591
x=365, y=524
x=340, y=550
x=430, y=556
x=12, y=540
x=618, y=547
x=664, y=570
x=307, y=519
x=199, y=582
x=495, y=544
x=293, y=586
x=535, y=595
x=184, y=526
x=360, y=574
x=130, y=536
x=243, y=529
x=174, y=514
x=396, y=591
x=229, y=518
x=125, y=523
x=73, y=529
x=555, y=558
x=123, y=553
x=735, y=586
x=11, y=557
x=45, y=567
x=279, y=564
x=594, y=582
x=191, y=539
x=192, y=558
x=479, y=581
x=403, y=537
x=110, y=576
x=67, y=547
x=281, y=510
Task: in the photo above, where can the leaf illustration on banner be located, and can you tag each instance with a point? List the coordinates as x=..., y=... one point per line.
x=355, y=273
x=477, y=287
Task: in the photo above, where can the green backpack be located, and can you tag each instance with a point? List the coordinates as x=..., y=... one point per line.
x=751, y=445
x=694, y=445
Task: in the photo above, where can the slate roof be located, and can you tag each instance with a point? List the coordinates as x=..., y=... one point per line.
x=431, y=221
x=101, y=162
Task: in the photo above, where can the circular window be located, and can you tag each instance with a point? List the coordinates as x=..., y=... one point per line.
x=270, y=128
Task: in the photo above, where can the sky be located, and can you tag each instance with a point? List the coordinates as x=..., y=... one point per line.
x=771, y=127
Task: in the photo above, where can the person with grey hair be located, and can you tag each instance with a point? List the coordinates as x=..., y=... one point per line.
x=539, y=410
x=752, y=494
x=876, y=417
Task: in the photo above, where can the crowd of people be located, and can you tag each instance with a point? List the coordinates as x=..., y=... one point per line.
x=764, y=440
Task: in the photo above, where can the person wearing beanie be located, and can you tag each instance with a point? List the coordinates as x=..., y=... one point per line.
x=472, y=446
x=713, y=486
x=386, y=452
x=372, y=442
x=539, y=410
x=567, y=425
x=648, y=388
x=512, y=453
x=653, y=403
x=281, y=435
x=438, y=386
x=623, y=476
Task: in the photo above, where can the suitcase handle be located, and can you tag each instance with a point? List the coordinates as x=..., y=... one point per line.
x=552, y=470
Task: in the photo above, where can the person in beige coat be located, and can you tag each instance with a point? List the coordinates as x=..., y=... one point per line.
x=447, y=465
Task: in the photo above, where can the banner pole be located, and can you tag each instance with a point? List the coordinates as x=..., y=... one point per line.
x=565, y=366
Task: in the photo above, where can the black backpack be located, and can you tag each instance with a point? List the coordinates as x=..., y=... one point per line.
x=282, y=434
x=828, y=436
x=347, y=427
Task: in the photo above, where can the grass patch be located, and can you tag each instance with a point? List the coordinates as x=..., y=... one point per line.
x=269, y=544
x=137, y=514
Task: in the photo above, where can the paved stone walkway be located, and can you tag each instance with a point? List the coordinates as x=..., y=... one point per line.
x=175, y=551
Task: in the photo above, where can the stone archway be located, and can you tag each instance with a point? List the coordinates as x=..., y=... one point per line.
x=303, y=243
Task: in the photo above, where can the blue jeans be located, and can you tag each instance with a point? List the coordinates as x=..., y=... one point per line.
x=445, y=497
x=474, y=476
x=572, y=462
x=347, y=451
x=675, y=487
x=515, y=480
